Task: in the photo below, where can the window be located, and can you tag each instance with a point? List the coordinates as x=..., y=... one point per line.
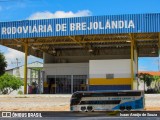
x=109, y=76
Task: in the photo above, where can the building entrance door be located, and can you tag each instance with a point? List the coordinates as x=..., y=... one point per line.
x=79, y=83
x=51, y=85
x=66, y=84
x=63, y=84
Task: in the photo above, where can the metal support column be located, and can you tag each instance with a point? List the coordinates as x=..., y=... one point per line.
x=39, y=81
x=137, y=66
x=72, y=84
x=132, y=59
x=158, y=52
x=25, y=68
x=136, y=62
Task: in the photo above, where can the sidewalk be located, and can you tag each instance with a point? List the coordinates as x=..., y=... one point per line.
x=36, y=96
x=55, y=102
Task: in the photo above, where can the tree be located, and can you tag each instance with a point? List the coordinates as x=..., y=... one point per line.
x=147, y=78
x=157, y=81
x=3, y=64
x=9, y=83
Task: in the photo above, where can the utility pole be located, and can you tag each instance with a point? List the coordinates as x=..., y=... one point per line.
x=158, y=65
x=17, y=63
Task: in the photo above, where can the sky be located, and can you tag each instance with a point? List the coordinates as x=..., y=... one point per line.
x=15, y=10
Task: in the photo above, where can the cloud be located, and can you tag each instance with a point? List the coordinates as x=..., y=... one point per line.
x=12, y=54
x=155, y=61
x=142, y=68
x=58, y=14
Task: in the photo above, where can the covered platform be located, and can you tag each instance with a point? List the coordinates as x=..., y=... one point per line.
x=81, y=39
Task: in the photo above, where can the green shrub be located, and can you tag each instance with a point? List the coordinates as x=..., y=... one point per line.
x=20, y=92
x=9, y=83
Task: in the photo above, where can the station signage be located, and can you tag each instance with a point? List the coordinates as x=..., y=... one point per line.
x=115, y=24
x=65, y=27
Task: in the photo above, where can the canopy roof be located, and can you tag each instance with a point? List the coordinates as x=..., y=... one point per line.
x=80, y=36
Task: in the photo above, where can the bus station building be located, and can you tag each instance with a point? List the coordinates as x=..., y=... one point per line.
x=86, y=53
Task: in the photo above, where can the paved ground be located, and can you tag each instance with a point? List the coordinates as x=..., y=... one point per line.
x=55, y=102
x=152, y=102
x=35, y=103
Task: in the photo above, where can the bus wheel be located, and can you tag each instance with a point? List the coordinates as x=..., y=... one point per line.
x=128, y=108
x=83, y=108
x=89, y=108
x=122, y=108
